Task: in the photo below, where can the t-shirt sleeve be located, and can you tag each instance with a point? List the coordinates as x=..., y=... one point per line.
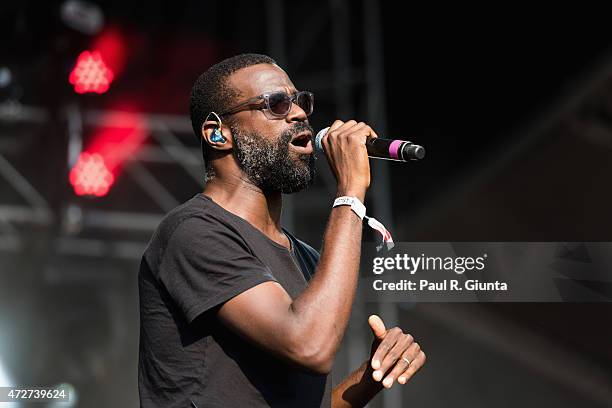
x=307, y=257
x=206, y=263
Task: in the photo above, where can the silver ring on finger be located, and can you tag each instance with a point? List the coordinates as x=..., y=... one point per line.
x=407, y=360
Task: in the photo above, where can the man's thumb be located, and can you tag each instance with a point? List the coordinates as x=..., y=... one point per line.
x=377, y=326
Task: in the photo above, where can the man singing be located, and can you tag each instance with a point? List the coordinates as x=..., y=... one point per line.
x=234, y=310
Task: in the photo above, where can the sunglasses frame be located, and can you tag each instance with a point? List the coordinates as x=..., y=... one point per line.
x=266, y=107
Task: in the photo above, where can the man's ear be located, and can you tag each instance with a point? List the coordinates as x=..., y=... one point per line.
x=218, y=138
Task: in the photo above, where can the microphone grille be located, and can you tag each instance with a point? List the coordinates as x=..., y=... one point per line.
x=318, y=138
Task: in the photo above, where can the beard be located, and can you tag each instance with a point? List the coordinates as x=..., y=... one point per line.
x=270, y=165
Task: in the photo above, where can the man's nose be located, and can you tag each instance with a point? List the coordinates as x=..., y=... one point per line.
x=296, y=114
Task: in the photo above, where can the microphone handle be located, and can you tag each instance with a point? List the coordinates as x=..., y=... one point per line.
x=397, y=150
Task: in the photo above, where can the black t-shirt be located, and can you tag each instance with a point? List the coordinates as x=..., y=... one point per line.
x=201, y=256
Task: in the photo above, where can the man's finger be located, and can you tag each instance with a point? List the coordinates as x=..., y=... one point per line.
x=377, y=326
x=383, y=349
x=393, y=364
x=414, y=366
x=380, y=354
x=337, y=123
x=379, y=331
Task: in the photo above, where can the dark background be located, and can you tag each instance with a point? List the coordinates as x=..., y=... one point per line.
x=513, y=107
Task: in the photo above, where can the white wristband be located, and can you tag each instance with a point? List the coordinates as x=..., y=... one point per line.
x=356, y=205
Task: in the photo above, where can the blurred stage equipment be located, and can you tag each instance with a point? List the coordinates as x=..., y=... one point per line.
x=82, y=16
x=10, y=89
x=90, y=176
x=112, y=144
x=90, y=73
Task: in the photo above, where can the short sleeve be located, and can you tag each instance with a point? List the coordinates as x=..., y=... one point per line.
x=206, y=263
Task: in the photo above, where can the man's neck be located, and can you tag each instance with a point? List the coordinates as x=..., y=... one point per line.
x=242, y=198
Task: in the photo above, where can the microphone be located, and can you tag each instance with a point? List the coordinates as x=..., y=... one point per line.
x=387, y=149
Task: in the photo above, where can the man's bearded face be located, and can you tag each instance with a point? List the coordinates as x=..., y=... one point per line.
x=270, y=165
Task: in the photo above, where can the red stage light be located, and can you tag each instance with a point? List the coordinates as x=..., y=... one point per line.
x=109, y=147
x=90, y=176
x=90, y=74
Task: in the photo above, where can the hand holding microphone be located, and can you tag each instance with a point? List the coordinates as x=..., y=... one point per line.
x=388, y=149
x=344, y=145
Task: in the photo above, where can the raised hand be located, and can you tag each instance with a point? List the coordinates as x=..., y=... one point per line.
x=395, y=354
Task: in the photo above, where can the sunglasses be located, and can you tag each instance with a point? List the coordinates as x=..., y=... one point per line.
x=277, y=104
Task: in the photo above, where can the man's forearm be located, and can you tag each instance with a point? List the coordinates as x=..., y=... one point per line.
x=322, y=311
x=357, y=389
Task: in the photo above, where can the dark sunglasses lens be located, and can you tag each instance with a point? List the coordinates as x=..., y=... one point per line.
x=305, y=101
x=280, y=103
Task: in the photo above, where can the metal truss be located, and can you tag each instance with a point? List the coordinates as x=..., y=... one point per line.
x=169, y=134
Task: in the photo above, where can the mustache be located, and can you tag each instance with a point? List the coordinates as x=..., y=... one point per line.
x=296, y=129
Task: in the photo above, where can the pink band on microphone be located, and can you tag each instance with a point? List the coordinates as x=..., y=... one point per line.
x=394, y=149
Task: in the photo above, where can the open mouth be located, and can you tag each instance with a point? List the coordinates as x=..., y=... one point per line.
x=301, y=140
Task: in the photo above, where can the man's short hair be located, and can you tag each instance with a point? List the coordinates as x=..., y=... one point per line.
x=212, y=92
